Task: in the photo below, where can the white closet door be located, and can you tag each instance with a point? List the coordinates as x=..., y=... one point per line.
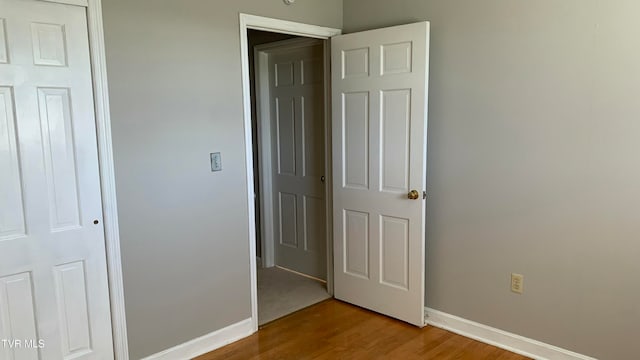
x=53, y=274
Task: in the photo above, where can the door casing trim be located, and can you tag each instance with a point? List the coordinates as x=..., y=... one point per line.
x=107, y=177
x=284, y=27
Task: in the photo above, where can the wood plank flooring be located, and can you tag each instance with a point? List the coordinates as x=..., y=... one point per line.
x=336, y=330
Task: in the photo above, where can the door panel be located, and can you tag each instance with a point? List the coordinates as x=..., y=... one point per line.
x=395, y=58
x=286, y=135
x=11, y=207
x=356, y=243
x=296, y=99
x=71, y=296
x=288, y=216
x=312, y=71
x=355, y=63
x=48, y=44
x=379, y=93
x=58, y=148
x=314, y=225
x=3, y=42
x=394, y=252
x=355, y=140
x=17, y=314
x=53, y=273
x=284, y=74
x=395, y=118
x=313, y=145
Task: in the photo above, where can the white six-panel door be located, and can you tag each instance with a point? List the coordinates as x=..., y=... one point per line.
x=379, y=100
x=53, y=275
x=296, y=92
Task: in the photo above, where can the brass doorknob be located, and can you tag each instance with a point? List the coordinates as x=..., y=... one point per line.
x=413, y=195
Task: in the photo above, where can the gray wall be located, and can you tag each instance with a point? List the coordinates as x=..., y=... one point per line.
x=176, y=96
x=534, y=164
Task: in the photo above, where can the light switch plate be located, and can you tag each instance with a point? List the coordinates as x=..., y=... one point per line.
x=216, y=161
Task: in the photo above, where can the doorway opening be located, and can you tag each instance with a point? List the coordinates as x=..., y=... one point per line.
x=291, y=166
x=252, y=22
x=379, y=85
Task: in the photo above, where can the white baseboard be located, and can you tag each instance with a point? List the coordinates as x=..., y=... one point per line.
x=499, y=338
x=206, y=343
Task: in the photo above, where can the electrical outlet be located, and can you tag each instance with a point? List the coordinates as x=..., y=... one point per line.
x=517, y=283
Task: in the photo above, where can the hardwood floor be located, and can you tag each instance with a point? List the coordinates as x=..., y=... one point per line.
x=336, y=330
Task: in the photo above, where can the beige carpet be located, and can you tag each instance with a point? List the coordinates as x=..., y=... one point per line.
x=281, y=292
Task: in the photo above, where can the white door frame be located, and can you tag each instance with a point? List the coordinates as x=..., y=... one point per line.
x=107, y=175
x=107, y=179
x=292, y=28
x=263, y=114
